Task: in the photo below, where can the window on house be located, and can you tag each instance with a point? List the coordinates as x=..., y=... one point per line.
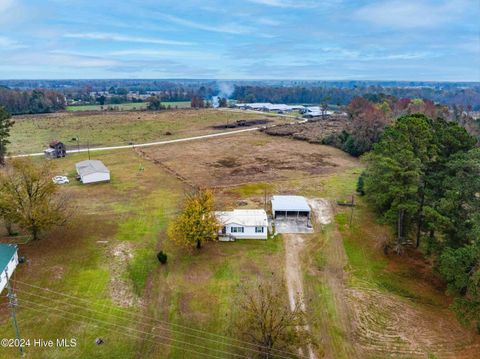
x=237, y=230
x=259, y=229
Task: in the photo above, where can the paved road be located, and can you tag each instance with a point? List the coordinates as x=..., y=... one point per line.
x=148, y=144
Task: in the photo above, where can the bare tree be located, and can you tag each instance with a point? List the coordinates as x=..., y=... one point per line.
x=266, y=319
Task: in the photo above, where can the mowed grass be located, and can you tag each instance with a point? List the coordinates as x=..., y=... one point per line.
x=32, y=133
x=104, y=263
x=127, y=106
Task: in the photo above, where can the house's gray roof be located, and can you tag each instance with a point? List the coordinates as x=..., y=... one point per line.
x=91, y=166
x=290, y=203
x=243, y=217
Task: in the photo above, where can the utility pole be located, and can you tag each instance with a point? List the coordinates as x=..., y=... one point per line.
x=12, y=301
x=351, y=213
x=265, y=197
x=88, y=149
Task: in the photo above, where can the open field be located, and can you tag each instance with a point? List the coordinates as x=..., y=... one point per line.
x=359, y=302
x=32, y=133
x=128, y=106
x=250, y=157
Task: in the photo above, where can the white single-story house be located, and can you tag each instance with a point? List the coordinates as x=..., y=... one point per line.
x=290, y=206
x=242, y=223
x=92, y=171
x=8, y=263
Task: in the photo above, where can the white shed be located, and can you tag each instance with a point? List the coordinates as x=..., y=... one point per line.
x=242, y=223
x=92, y=171
x=290, y=206
x=8, y=263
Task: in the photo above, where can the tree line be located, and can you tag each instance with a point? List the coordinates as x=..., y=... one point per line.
x=465, y=97
x=369, y=115
x=31, y=101
x=423, y=178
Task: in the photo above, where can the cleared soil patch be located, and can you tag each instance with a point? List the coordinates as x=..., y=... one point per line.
x=311, y=131
x=246, y=158
x=243, y=123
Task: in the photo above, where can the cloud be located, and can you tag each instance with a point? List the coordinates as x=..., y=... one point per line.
x=6, y=5
x=122, y=38
x=231, y=28
x=9, y=44
x=153, y=53
x=268, y=22
x=286, y=3
x=411, y=14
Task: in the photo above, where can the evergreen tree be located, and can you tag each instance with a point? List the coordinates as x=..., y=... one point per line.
x=5, y=125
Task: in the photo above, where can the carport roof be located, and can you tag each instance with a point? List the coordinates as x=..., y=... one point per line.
x=290, y=204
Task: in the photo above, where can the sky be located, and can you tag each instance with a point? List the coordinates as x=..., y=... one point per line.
x=420, y=40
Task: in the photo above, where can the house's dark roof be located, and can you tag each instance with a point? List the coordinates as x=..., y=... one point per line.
x=54, y=143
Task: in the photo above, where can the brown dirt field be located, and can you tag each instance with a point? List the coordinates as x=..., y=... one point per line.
x=311, y=131
x=247, y=158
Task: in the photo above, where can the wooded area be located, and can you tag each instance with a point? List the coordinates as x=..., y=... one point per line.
x=34, y=101
x=423, y=178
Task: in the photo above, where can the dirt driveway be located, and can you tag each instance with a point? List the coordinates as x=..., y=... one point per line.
x=294, y=244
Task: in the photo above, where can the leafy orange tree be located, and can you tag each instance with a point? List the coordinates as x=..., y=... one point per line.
x=196, y=223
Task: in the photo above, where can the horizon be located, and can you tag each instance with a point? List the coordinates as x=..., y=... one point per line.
x=234, y=80
x=264, y=40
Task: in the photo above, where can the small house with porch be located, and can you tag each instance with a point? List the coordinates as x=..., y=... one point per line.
x=56, y=149
x=242, y=223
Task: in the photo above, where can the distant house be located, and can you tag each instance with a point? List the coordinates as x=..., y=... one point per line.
x=290, y=206
x=56, y=149
x=8, y=263
x=242, y=223
x=92, y=171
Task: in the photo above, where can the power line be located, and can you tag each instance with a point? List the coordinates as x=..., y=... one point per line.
x=169, y=323
x=117, y=331
x=123, y=318
x=164, y=328
x=135, y=330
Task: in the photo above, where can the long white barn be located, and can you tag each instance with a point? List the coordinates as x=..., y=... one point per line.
x=242, y=223
x=92, y=171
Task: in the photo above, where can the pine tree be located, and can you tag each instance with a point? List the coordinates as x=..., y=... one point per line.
x=5, y=125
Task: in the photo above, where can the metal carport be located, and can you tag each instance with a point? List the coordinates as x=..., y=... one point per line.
x=290, y=207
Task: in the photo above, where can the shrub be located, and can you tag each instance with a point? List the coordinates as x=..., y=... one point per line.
x=162, y=257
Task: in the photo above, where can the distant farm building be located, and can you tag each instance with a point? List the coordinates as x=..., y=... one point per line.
x=92, y=171
x=242, y=223
x=8, y=263
x=56, y=149
x=290, y=206
x=268, y=107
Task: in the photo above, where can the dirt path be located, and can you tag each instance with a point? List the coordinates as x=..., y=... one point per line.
x=334, y=278
x=294, y=244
